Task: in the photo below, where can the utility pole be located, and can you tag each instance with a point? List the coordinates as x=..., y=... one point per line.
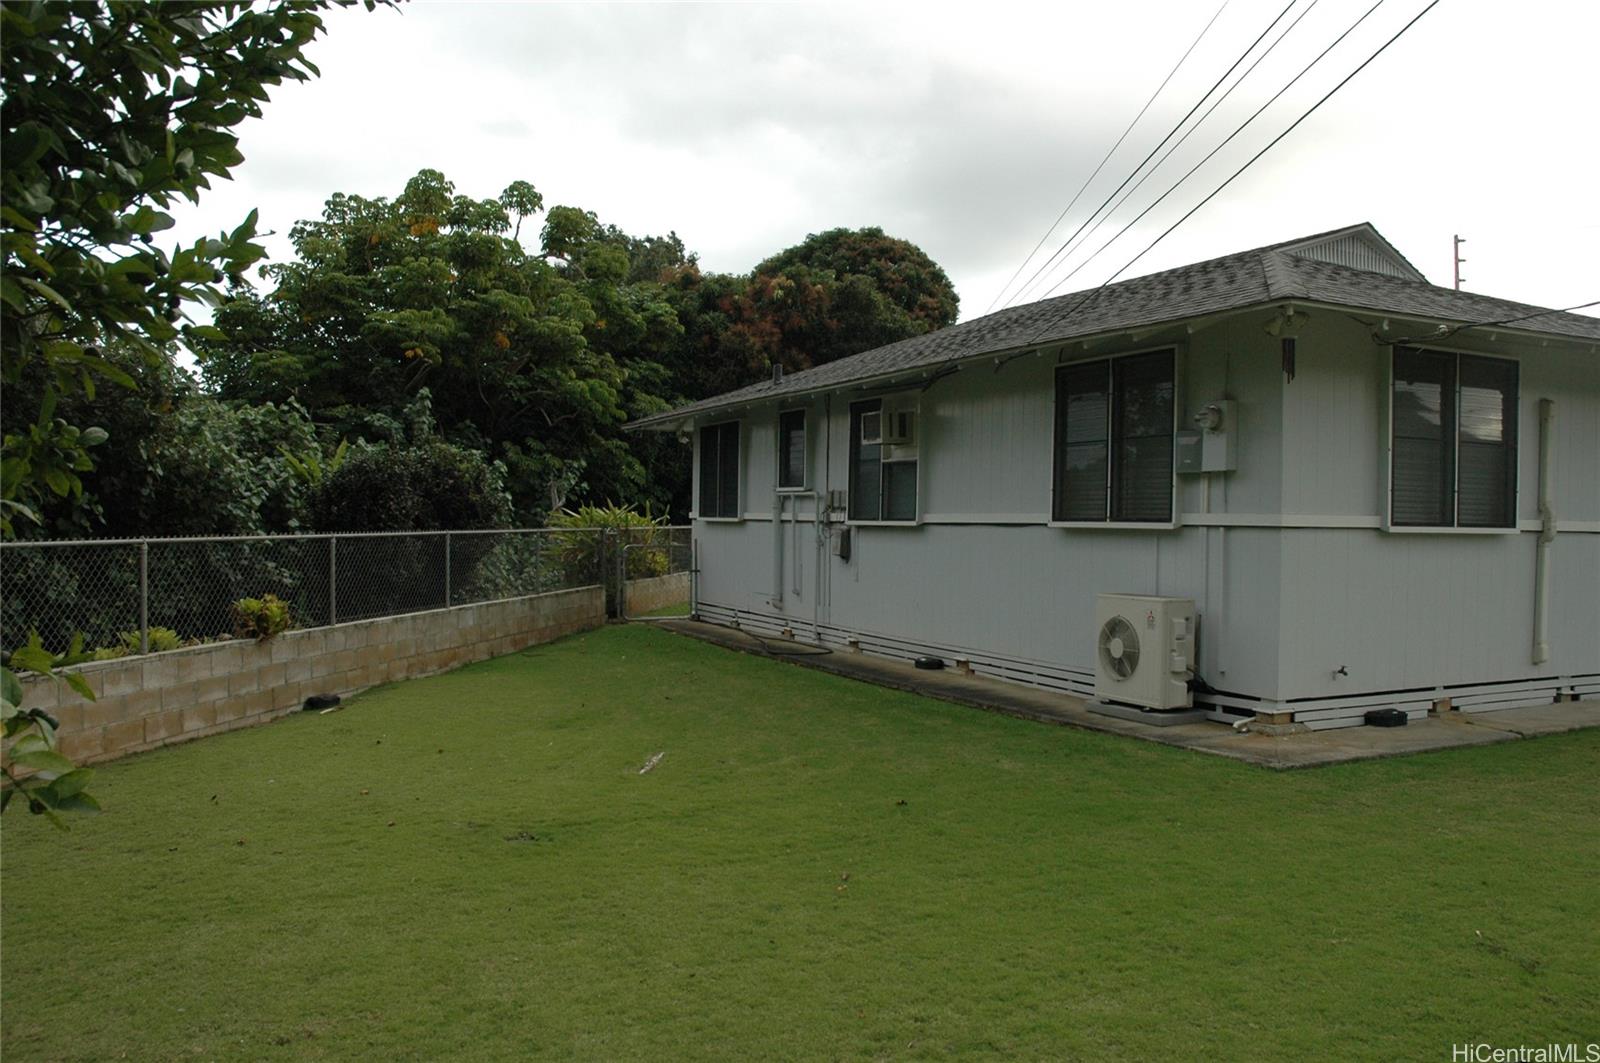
x=1458, y=242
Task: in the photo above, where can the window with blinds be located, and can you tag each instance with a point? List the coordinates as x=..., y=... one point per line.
x=792, y=449
x=1113, y=439
x=1453, y=449
x=719, y=470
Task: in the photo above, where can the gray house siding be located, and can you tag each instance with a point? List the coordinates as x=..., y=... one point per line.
x=1286, y=558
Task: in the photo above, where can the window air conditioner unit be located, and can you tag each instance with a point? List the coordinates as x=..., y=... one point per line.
x=900, y=426
x=1144, y=650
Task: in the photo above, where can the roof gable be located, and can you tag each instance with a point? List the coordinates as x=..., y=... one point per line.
x=1359, y=247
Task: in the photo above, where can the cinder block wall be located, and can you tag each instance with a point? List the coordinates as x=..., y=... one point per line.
x=161, y=698
x=656, y=592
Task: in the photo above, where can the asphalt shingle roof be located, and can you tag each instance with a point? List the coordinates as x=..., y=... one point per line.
x=1246, y=278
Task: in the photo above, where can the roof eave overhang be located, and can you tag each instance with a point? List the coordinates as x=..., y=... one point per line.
x=1454, y=323
x=670, y=422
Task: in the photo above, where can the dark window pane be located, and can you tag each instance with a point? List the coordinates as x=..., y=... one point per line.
x=1081, y=482
x=1422, y=477
x=708, y=472
x=728, y=471
x=866, y=468
x=900, y=490
x=792, y=449
x=1083, y=401
x=1486, y=485
x=719, y=470
x=1142, y=433
x=1143, y=386
x=1144, y=480
x=1417, y=483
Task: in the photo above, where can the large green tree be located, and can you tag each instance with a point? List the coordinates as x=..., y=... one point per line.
x=835, y=294
x=111, y=113
x=535, y=357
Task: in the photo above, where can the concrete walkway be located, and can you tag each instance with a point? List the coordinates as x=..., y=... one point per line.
x=1308, y=749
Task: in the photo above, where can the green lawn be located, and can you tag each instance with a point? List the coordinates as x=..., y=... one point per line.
x=471, y=867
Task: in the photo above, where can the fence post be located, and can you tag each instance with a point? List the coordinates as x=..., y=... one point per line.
x=144, y=597
x=333, y=579
x=447, y=570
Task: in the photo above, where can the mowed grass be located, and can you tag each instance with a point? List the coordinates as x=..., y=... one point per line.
x=471, y=867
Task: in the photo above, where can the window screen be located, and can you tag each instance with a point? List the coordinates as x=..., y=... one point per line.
x=866, y=467
x=792, y=448
x=1083, y=426
x=1423, y=476
x=1454, y=446
x=882, y=487
x=1113, y=452
x=899, y=490
x=1486, y=461
x=1142, y=430
x=719, y=470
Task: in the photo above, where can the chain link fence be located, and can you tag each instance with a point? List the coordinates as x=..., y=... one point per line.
x=645, y=553
x=133, y=595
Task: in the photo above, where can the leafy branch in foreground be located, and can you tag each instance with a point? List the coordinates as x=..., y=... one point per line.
x=112, y=113
x=34, y=768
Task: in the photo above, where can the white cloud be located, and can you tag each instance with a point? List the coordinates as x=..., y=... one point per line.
x=962, y=128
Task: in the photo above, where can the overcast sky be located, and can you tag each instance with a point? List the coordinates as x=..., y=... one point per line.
x=964, y=128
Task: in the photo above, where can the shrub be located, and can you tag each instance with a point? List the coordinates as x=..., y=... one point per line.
x=161, y=640
x=426, y=487
x=260, y=618
x=574, y=551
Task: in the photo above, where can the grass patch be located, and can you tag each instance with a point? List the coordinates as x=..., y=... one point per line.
x=676, y=609
x=472, y=867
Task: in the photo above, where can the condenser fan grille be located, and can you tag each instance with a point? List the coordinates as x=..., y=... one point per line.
x=1119, y=647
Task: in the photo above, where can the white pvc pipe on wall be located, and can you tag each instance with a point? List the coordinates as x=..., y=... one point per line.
x=1547, y=530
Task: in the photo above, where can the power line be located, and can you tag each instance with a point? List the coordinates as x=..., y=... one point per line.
x=1090, y=179
x=1173, y=132
x=1212, y=153
x=1252, y=160
x=1182, y=140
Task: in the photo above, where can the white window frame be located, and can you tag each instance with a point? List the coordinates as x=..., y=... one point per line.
x=1179, y=361
x=1388, y=525
x=915, y=401
x=738, y=475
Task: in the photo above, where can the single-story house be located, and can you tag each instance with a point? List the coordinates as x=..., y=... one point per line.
x=1375, y=491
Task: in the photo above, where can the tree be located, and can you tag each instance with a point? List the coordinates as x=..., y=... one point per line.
x=835, y=294
x=111, y=113
x=534, y=358
x=902, y=276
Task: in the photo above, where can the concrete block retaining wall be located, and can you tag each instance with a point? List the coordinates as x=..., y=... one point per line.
x=656, y=592
x=157, y=699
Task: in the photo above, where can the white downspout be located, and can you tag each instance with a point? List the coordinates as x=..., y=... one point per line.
x=1547, y=530
x=777, y=550
x=821, y=514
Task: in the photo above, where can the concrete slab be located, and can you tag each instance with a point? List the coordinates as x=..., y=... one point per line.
x=1310, y=749
x=1534, y=720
